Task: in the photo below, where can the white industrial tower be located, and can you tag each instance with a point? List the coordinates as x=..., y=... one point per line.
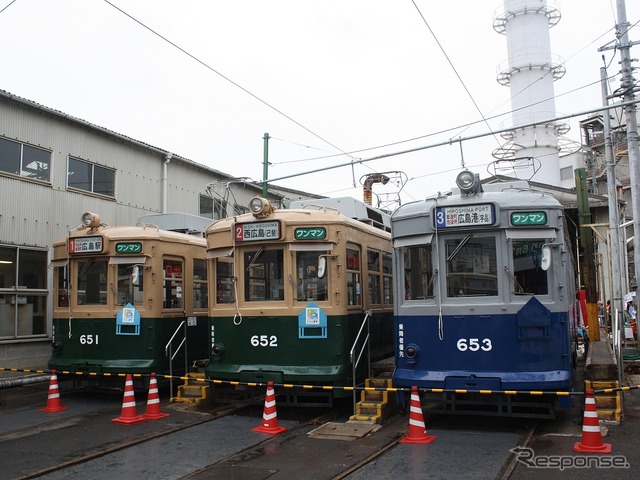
x=530, y=72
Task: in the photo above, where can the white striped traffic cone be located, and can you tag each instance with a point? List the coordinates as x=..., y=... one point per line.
x=270, y=415
x=153, y=411
x=417, y=428
x=591, y=435
x=129, y=414
x=53, y=397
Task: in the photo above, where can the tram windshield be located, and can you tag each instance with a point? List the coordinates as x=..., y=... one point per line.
x=263, y=275
x=529, y=277
x=419, y=277
x=471, y=266
x=92, y=282
x=310, y=285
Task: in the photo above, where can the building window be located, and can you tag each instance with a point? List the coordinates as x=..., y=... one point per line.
x=22, y=302
x=566, y=173
x=25, y=160
x=212, y=208
x=90, y=177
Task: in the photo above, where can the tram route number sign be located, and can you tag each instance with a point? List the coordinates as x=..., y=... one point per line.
x=85, y=245
x=255, y=231
x=465, y=216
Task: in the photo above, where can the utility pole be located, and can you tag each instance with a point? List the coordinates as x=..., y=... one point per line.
x=628, y=88
x=265, y=166
x=588, y=259
x=614, y=215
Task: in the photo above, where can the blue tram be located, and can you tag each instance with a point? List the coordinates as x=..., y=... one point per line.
x=485, y=293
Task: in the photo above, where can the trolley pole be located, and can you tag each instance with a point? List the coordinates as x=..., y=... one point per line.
x=265, y=165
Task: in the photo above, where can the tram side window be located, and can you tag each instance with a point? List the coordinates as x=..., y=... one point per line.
x=264, y=275
x=224, y=280
x=471, y=266
x=62, y=285
x=373, y=267
x=130, y=291
x=200, y=295
x=529, y=278
x=92, y=282
x=418, y=272
x=353, y=277
x=387, y=279
x=173, y=283
x=308, y=285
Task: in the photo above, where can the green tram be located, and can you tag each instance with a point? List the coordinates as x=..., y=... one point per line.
x=127, y=299
x=300, y=296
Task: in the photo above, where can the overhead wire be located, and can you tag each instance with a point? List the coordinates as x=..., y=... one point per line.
x=475, y=104
x=224, y=77
x=8, y=5
x=354, y=161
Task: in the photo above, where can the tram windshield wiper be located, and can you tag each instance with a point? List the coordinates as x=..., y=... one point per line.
x=459, y=247
x=255, y=257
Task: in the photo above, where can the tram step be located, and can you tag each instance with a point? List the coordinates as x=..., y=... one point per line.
x=193, y=390
x=609, y=405
x=375, y=405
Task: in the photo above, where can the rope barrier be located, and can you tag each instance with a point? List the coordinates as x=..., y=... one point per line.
x=329, y=387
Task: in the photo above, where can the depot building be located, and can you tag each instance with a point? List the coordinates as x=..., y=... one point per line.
x=53, y=168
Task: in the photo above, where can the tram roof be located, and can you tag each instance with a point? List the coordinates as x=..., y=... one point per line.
x=137, y=232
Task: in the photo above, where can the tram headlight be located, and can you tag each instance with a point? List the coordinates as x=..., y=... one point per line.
x=217, y=350
x=91, y=220
x=468, y=182
x=411, y=353
x=56, y=346
x=260, y=207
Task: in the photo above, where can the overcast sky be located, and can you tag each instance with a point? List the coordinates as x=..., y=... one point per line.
x=206, y=79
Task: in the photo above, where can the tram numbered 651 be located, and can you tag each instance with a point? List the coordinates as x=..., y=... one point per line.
x=121, y=295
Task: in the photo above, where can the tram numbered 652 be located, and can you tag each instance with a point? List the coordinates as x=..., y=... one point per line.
x=293, y=288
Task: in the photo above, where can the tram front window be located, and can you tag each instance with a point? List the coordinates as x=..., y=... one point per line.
x=529, y=278
x=471, y=266
x=263, y=275
x=309, y=285
x=419, y=276
x=92, y=282
x=130, y=289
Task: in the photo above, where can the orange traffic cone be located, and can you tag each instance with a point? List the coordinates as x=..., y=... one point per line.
x=153, y=402
x=129, y=414
x=591, y=435
x=270, y=415
x=417, y=429
x=53, y=397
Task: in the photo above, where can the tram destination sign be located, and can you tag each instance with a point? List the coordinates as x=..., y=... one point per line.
x=465, y=216
x=85, y=245
x=255, y=231
x=528, y=218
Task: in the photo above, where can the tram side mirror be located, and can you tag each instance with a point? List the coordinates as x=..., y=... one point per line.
x=322, y=266
x=135, y=275
x=545, y=261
